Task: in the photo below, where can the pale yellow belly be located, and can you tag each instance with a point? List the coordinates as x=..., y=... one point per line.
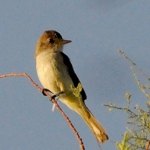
x=54, y=76
x=51, y=72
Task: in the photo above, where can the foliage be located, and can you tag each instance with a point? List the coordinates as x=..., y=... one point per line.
x=137, y=136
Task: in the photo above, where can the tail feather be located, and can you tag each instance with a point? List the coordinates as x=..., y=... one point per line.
x=80, y=108
x=94, y=125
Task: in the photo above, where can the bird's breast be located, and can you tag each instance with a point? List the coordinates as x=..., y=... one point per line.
x=52, y=72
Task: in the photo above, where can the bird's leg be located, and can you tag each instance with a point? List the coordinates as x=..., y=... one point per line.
x=44, y=90
x=56, y=96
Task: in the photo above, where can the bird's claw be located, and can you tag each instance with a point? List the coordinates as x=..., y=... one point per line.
x=44, y=91
x=57, y=95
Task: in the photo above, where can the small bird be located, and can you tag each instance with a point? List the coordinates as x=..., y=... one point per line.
x=56, y=74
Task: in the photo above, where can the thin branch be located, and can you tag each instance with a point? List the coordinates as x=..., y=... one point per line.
x=134, y=68
x=120, y=108
x=148, y=145
x=49, y=95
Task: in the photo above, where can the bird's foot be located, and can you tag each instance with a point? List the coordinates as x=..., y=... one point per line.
x=56, y=96
x=44, y=91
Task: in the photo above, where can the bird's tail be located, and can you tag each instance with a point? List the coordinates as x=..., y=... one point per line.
x=94, y=125
x=80, y=108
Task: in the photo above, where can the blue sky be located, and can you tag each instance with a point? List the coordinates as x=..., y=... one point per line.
x=97, y=29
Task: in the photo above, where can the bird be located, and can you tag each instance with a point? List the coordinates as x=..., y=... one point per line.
x=56, y=73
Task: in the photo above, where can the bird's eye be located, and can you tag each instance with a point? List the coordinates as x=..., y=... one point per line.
x=57, y=35
x=51, y=41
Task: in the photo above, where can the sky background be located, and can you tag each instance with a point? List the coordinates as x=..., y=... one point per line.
x=97, y=29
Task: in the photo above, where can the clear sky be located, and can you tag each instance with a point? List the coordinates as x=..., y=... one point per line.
x=97, y=29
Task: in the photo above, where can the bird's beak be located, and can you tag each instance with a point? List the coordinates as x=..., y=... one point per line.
x=66, y=42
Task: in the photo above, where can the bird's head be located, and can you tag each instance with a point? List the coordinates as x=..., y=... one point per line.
x=51, y=41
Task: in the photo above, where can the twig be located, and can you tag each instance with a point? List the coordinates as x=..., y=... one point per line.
x=120, y=108
x=49, y=95
x=133, y=68
x=117, y=107
x=148, y=145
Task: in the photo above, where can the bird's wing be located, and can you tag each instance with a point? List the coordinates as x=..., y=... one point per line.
x=72, y=74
